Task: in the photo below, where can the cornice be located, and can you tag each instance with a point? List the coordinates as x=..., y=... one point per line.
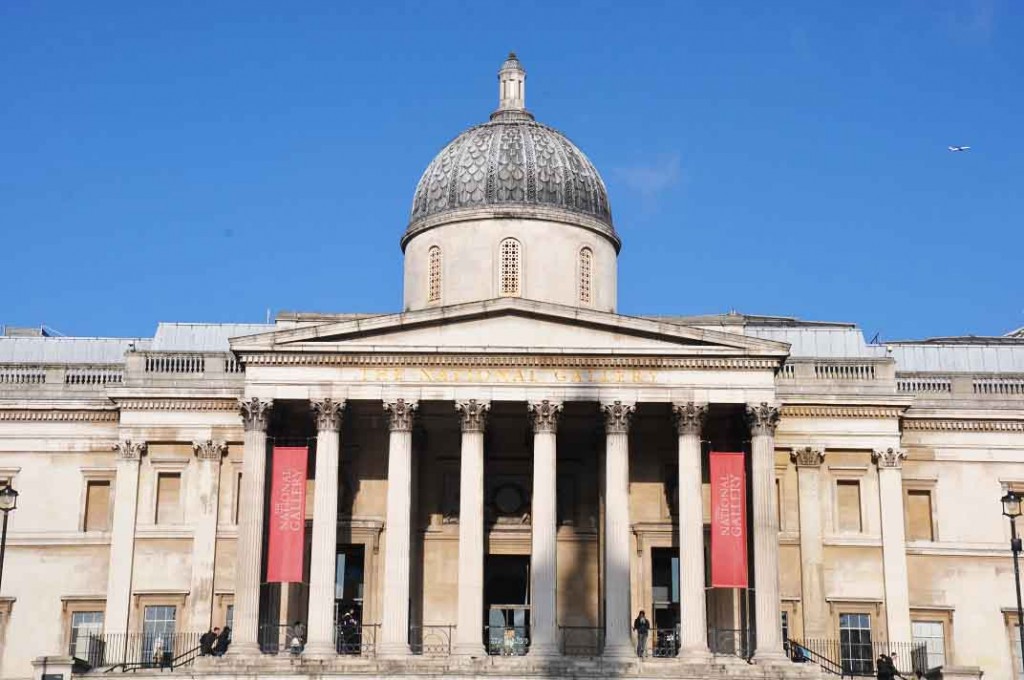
x=131, y=404
x=950, y=425
x=506, y=361
x=58, y=416
x=814, y=411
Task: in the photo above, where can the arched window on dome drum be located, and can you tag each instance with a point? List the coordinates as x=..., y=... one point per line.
x=511, y=263
x=434, y=274
x=586, y=273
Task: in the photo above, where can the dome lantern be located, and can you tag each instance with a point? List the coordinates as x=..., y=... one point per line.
x=511, y=91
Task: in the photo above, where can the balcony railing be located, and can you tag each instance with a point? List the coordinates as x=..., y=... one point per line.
x=431, y=640
x=858, y=659
x=133, y=651
x=731, y=642
x=353, y=639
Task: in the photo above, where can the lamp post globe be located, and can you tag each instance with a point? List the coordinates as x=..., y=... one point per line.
x=1011, y=504
x=8, y=499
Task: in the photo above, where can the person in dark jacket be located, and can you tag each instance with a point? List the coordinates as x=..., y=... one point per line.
x=220, y=645
x=206, y=642
x=642, y=627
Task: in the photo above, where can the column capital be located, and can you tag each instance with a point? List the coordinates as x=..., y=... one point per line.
x=329, y=413
x=807, y=456
x=762, y=419
x=689, y=417
x=544, y=415
x=617, y=417
x=209, y=449
x=888, y=458
x=129, y=450
x=401, y=414
x=254, y=413
x=473, y=414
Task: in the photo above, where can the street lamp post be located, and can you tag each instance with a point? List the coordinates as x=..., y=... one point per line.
x=1011, y=508
x=8, y=502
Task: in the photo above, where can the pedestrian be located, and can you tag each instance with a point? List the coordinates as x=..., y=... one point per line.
x=206, y=642
x=642, y=627
x=220, y=645
x=297, y=637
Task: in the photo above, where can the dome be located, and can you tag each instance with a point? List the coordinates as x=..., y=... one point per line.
x=511, y=166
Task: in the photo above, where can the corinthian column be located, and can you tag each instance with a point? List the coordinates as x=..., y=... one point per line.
x=693, y=618
x=763, y=419
x=469, y=628
x=206, y=493
x=395, y=623
x=544, y=540
x=250, y=528
x=894, y=551
x=812, y=563
x=122, y=535
x=324, y=544
x=617, y=615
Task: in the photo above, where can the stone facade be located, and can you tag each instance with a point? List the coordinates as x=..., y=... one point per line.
x=497, y=484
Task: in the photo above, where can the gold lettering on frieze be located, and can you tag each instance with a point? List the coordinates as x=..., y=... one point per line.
x=510, y=376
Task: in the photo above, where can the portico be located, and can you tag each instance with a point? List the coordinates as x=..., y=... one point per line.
x=528, y=454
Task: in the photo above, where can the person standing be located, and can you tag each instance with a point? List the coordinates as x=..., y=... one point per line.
x=642, y=627
x=206, y=642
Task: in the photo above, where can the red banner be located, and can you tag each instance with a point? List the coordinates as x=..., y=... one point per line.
x=728, y=521
x=287, y=515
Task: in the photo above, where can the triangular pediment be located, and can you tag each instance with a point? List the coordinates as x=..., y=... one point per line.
x=509, y=325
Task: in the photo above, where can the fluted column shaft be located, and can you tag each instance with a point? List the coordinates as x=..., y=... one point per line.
x=469, y=625
x=244, y=635
x=763, y=419
x=395, y=622
x=206, y=500
x=692, y=609
x=894, y=550
x=544, y=537
x=812, y=559
x=617, y=531
x=122, y=536
x=324, y=543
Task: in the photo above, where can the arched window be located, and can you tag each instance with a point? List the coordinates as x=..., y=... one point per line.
x=510, y=268
x=586, y=275
x=434, y=274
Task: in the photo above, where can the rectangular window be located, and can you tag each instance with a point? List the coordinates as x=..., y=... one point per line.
x=785, y=626
x=919, y=515
x=855, y=643
x=168, y=498
x=97, y=506
x=931, y=635
x=848, y=505
x=237, y=498
x=229, y=616
x=86, y=628
x=158, y=639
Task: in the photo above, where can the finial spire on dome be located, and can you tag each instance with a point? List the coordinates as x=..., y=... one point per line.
x=511, y=90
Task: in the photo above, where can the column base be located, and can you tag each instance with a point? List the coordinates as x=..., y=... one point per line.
x=543, y=650
x=318, y=650
x=695, y=654
x=625, y=650
x=393, y=650
x=245, y=650
x=768, y=657
x=474, y=649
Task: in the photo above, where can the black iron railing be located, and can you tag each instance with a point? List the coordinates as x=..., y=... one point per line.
x=356, y=639
x=581, y=640
x=858, y=660
x=431, y=640
x=507, y=640
x=135, y=651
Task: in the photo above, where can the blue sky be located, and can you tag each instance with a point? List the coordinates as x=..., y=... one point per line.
x=185, y=161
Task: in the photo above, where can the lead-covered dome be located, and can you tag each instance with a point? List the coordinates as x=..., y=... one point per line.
x=511, y=166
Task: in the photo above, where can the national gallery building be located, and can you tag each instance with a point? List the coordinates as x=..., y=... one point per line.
x=496, y=479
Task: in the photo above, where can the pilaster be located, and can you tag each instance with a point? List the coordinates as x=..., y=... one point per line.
x=894, y=552
x=808, y=461
x=122, y=535
x=206, y=494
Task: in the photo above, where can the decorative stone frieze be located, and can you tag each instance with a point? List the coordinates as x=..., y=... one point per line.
x=965, y=425
x=129, y=450
x=209, y=449
x=822, y=411
x=254, y=413
x=177, y=404
x=329, y=413
x=544, y=415
x=807, y=456
x=762, y=419
x=888, y=458
x=617, y=417
x=401, y=414
x=473, y=414
x=375, y=361
x=689, y=417
x=59, y=416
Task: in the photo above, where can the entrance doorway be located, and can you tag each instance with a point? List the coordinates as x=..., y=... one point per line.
x=665, y=600
x=507, y=604
x=348, y=597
